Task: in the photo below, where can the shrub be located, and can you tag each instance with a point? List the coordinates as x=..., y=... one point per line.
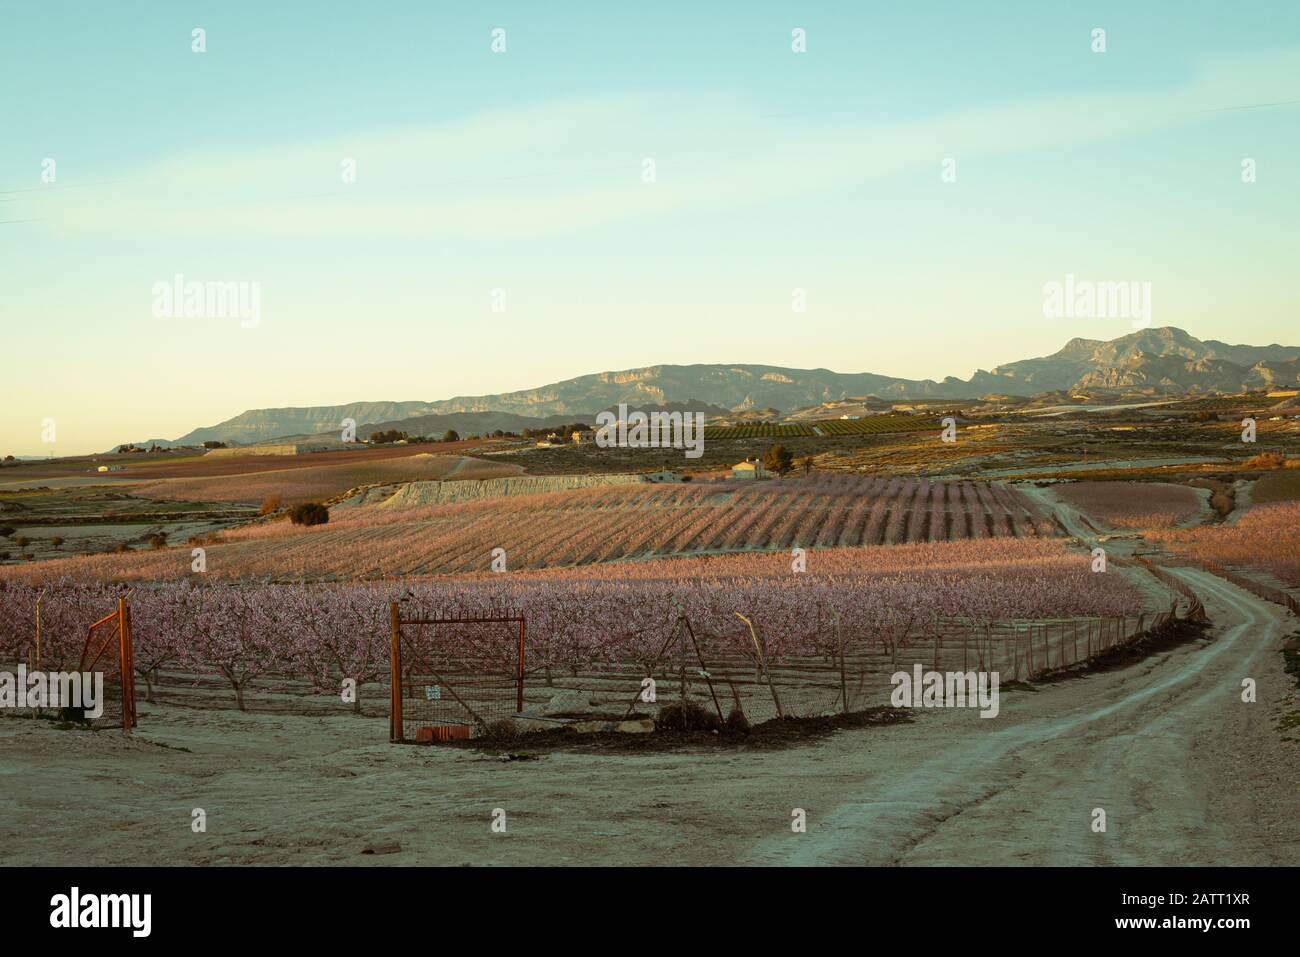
x=269, y=504
x=157, y=540
x=1266, y=460
x=56, y=541
x=736, y=722
x=687, y=716
x=451, y=435
x=503, y=729
x=309, y=513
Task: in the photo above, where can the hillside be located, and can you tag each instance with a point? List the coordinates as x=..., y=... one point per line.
x=1157, y=361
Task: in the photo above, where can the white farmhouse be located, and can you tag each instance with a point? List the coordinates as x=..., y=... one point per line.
x=749, y=469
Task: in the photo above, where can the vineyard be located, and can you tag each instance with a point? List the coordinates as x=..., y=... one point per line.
x=870, y=425
x=878, y=602
x=878, y=425
x=591, y=526
x=758, y=430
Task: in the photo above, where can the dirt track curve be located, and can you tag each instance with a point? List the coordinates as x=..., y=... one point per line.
x=1186, y=772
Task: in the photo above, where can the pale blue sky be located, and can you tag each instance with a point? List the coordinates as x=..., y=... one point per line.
x=522, y=171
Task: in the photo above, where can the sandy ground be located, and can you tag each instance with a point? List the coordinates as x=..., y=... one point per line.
x=1187, y=773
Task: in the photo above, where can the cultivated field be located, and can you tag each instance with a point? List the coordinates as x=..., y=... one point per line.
x=1266, y=537
x=588, y=526
x=1135, y=504
x=1018, y=605
x=307, y=483
x=1279, y=485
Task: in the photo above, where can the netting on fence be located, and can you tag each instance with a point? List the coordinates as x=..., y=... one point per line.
x=454, y=676
x=457, y=677
x=721, y=673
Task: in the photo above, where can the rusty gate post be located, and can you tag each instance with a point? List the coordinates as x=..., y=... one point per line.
x=395, y=733
x=126, y=659
x=519, y=672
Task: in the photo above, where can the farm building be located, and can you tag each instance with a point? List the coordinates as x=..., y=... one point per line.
x=663, y=475
x=749, y=469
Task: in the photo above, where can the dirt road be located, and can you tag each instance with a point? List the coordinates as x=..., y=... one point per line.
x=1185, y=771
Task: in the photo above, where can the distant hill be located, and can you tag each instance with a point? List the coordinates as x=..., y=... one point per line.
x=260, y=425
x=469, y=423
x=1165, y=360
x=1162, y=361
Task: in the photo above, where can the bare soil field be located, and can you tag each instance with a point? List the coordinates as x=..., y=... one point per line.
x=180, y=464
x=1137, y=504
x=56, y=523
x=315, y=483
x=1279, y=485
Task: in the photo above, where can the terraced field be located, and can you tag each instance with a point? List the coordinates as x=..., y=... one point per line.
x=590, y=526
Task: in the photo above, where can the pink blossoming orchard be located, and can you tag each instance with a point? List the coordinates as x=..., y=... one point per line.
x=766, y=615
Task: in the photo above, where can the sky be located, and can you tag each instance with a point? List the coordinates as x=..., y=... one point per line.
x=919, y=172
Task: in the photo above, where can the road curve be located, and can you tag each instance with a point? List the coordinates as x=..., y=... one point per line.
x=1185, y=771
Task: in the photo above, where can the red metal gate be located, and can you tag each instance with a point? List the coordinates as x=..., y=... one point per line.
x=108, y=649
x=453, y=675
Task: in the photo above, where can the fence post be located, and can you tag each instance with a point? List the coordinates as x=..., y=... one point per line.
x=844, y=679
x=519, y=676
x=126, y=659
x=395, y=732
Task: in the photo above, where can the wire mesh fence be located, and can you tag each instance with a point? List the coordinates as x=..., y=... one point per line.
x=454, y=676
x=457, y=677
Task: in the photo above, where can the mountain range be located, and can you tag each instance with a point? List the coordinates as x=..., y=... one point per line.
x=1159, y=361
